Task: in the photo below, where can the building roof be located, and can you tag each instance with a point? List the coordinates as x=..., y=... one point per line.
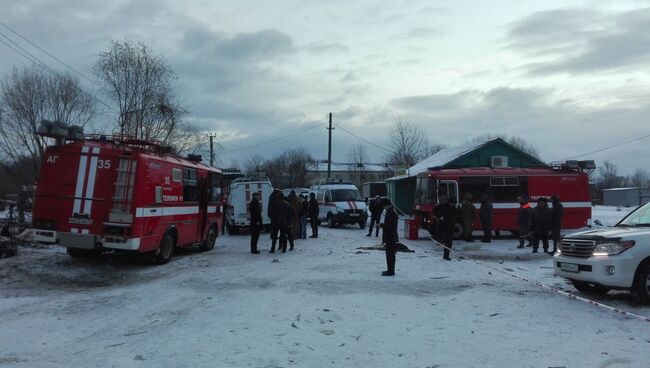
x=342, y=166
x=443, y=157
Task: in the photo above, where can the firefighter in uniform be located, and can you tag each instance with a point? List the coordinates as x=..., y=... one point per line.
x=556, y=216
x=540, y=222
x=256, y=221
x=389, y=236
x=468, y=213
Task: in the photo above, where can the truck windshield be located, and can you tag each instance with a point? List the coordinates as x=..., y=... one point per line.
x=342, y=195
x=638, y=217
x=425, y=190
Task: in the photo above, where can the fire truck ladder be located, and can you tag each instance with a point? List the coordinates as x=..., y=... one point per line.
x=121, y=211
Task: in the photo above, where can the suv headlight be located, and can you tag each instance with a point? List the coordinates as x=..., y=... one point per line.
x=612, y=248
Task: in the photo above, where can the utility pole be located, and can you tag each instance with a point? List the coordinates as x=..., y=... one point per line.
x=212, y=148
x=329, y=149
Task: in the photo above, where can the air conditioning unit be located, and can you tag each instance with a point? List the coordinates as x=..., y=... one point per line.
x=499, y=161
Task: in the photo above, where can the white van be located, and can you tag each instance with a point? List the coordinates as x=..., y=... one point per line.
x=340, y=203
x=239, y=196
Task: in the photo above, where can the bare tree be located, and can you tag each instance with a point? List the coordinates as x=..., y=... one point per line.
x=640, y=178
x=409, y=144
x=515, y=141
x=29, y=95
x=357, y=158
x=254, y=165
x=143, y=86
x=289, y=169
x=608, y=178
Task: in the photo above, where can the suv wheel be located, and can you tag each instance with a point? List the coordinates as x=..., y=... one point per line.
x=586, y=287
x=641, y=287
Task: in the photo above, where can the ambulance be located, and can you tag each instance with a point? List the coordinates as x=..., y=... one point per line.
x=239, y=197
x=340, y=203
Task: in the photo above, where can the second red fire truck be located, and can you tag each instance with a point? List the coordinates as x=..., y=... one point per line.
x=123, y=194
x=505, y=185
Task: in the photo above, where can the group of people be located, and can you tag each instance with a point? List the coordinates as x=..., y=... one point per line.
x=540, y=223
x=289, y=216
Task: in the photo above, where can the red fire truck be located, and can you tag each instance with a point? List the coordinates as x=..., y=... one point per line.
x=505, y=185
x=125, y=194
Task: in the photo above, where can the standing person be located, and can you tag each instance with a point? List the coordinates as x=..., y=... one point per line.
x=468, y=214
x=304, y=212
x=313, y=215
x=523, y=221
x=446, y=214
x=275, y=201
x=290, y=219
x=540, y=222
x=255, y=210
x=294, y=226
x=389, y=236
x=485, y=215
x=556, y=223
x=376, y=208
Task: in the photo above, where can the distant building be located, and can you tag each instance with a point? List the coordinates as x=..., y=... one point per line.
x=626, y=197
x=357, y=174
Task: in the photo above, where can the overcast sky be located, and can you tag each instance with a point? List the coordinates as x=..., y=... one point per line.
x=568, y=76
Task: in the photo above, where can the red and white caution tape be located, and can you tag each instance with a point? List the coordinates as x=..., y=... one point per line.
x=550, y=288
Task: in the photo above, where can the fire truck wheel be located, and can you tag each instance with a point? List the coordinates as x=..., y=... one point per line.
x=331, y=222
x=208, y=244
x=164, y=253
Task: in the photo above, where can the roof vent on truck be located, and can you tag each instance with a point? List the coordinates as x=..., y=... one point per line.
x=60, y=130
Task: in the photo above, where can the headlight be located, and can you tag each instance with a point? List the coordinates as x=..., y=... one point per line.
x=339, y=210
x=612, y=248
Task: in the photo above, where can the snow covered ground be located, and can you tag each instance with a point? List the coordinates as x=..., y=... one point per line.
x=323, y=304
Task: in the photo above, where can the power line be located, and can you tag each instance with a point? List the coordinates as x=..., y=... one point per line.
x=50, y=55
x=364, y=140
x=272, y=140
x=610, y=147
x=36, y=61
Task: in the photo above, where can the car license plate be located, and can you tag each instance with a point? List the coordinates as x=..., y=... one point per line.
x=354, y=215
x=569, y=267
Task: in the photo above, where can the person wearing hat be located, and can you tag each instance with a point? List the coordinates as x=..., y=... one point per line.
x=389, y=236
x=255, y=210
x=446, y=215
x=541, y=224
x=556, y=220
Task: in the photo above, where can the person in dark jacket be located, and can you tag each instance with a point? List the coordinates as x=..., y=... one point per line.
x=556, y=220
x=523, y=221
x=313, y=215
x=278, y=220
x=376, y=208
x=540, y=223
x=446, y=215
x=304, y=213
x=485, y=215
x=468, y=214
x=389, y=236
x=255, y=210
x=293, y=229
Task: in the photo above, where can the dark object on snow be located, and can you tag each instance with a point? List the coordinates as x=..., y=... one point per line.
x=8, y=246
x=399, y=247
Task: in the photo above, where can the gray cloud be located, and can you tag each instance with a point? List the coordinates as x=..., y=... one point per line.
x=326, y=47
x=578, y=41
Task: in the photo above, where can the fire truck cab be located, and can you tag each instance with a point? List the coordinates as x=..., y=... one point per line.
x=122, y=194
x=504, y=186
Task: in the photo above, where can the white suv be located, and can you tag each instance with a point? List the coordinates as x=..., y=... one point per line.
x=615, y=258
